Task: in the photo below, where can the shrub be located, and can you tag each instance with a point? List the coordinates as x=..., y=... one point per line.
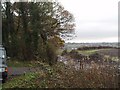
x=51, y=53
x=96, y=57
x=64, y=52
x=74, y=54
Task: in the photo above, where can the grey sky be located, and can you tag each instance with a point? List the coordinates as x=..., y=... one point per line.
x=96, y=20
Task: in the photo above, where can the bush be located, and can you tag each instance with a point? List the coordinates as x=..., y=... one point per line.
x=51, y=53
x=96, y=57
x=75, y=54
x=64, y=52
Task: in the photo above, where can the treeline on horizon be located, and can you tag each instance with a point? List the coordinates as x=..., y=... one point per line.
x=97, y=47
x=31, y=30
x=93, y=43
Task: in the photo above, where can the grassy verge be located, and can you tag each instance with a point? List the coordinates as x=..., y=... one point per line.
x=23, y=81
x=18, y=63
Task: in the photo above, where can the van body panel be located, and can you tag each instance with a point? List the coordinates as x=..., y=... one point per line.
x=3, y=65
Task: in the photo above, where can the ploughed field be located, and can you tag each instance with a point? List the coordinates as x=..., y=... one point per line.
x=110, y=52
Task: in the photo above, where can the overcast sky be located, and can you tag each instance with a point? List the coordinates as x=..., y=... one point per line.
x=96, y=20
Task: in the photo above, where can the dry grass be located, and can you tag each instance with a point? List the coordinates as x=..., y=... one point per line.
x=96, y=77
x=65, y=76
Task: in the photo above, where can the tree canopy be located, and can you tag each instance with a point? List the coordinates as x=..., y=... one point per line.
x=31, y=28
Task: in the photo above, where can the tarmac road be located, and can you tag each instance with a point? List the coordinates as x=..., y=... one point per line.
x=14, y=71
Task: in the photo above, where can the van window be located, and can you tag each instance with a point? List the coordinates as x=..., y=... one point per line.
x=2, y=53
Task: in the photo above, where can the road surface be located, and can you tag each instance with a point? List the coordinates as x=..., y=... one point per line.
x=21, y=70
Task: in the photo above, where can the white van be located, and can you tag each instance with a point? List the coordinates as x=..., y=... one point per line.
x=3, y=65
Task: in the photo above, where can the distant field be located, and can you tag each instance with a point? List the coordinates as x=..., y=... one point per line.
x=77, y=45
x=88, y=52
x=111, y=52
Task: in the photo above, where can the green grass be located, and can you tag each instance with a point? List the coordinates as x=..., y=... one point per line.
x=23, y=81
x=16, y=63
x=30, y=80
x=87, y=52
x=19, y=63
